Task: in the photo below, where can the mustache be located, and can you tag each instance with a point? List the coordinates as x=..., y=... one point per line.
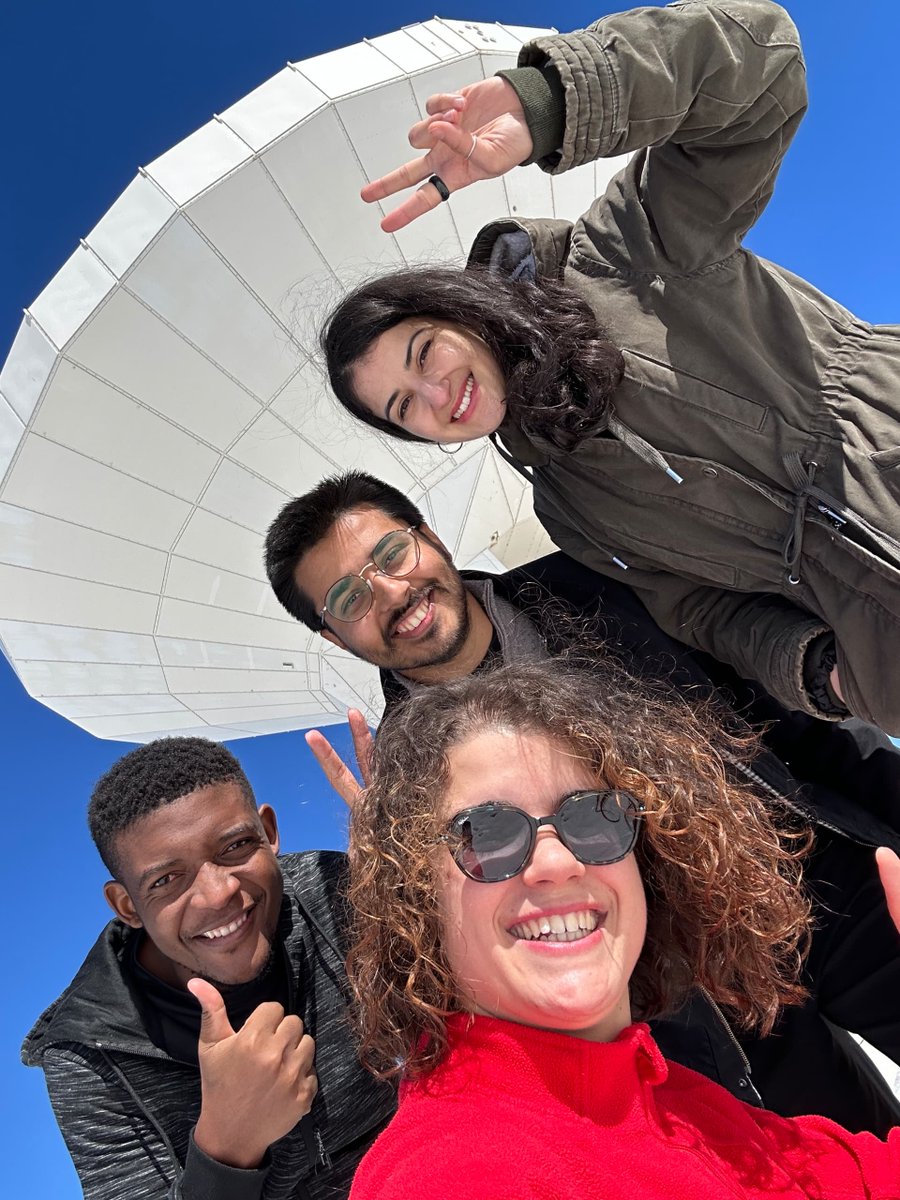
x=415, y=597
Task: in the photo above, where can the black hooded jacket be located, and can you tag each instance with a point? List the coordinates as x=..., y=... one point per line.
x=127, y=1109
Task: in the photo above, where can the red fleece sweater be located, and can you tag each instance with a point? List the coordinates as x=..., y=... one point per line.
x=515, y=1113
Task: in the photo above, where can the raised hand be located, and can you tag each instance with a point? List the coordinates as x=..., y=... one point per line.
x=889, y=870
x=336, y=770
x=490, y=110
x=256, y=1084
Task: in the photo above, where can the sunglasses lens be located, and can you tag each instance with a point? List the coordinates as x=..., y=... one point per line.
x=494, y=842
x=598, y=827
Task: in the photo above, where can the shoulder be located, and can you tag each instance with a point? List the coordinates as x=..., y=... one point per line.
x=98, y=994
x=316, y=881
x=569, y=581
x=467, y=1157
x=313, y=870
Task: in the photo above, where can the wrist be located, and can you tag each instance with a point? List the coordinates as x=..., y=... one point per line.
x=226, y=1147
x=542, y=96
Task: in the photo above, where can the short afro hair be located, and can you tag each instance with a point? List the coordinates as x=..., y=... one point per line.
x=153, y=775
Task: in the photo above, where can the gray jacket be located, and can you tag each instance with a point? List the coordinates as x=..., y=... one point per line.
x=127, y=1110
x=778, y=410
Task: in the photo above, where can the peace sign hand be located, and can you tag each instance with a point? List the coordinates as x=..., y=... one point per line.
x=490, y=111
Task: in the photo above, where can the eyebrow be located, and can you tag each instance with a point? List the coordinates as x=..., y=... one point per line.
x=408, y=360
x=162, y=867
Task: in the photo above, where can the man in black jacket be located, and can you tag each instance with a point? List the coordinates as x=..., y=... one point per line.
x=179, y=1061
x=354, y=560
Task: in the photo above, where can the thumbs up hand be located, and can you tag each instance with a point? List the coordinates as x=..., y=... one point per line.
x=889, y=870
x=256, y=1083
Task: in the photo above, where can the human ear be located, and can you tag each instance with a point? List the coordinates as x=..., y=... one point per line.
x=121, y=903
x=270, y=825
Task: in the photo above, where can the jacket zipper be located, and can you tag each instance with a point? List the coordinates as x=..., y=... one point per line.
x=774, y=792
x=748, y=1073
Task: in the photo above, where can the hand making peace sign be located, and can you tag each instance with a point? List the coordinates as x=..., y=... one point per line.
x=478, y=133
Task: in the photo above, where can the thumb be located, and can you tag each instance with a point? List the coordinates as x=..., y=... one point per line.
x=214, y=1023
x=889, y=870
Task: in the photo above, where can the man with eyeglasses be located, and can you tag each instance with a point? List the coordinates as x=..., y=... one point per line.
x=354, y=559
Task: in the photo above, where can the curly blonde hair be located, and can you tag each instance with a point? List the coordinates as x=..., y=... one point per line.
x=721, y=867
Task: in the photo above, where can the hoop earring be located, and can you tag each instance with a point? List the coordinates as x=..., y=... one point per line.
x=444, y=449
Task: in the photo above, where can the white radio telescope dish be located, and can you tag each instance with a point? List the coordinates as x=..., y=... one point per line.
x=161, y=401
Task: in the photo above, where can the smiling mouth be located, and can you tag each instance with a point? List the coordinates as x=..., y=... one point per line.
x=415, y=615
x=465, y=401
x=224, y=931
x=568, y=927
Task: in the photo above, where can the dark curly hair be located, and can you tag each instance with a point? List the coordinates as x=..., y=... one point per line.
x=559, y=366
x=153, y=775
x=305, y=520
x=721, y=867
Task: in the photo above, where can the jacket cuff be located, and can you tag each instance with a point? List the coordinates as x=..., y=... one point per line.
x=818, y=662
x=792, y=649
x=585, y=111
x=206, y=1178
x=543, y=98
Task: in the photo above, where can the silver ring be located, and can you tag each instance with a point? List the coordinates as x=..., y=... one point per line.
x=472, y=147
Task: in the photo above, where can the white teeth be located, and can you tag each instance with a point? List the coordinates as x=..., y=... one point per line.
x=466, y=400
x=416, y=617
x=570, y=927
x=226, y=929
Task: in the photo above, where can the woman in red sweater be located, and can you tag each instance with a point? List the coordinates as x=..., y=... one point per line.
x=544, y=859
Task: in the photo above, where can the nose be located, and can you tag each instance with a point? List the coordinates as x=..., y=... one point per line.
x=388, y=590
x=551, y=861
x=435, y=392
x=214, y=886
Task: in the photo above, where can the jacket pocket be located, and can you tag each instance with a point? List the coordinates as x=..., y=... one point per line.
x=887, y=463
x=650, y=375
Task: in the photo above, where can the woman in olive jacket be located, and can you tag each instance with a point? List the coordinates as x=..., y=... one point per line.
x=688, y=413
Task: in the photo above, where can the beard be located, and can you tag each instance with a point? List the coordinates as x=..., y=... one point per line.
x=233, y=990
x=448, y=640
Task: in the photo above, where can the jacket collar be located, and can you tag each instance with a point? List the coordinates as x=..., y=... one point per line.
x=549, y=240
x=608, y=1080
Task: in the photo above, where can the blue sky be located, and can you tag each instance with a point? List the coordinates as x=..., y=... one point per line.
x=89, y=91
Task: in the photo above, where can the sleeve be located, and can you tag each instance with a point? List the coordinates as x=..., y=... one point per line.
x=711, y=96
x=850, y=760
x=763, y=637
x=119, y=1151
x=830, y=1160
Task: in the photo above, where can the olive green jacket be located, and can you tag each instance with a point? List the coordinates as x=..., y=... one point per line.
x=777, y=408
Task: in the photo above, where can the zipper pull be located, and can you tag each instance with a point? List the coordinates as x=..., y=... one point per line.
x=838, y=521
x=323, y=1158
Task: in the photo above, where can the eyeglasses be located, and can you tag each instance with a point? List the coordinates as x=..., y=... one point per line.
x=396, y=554
x=493, y=842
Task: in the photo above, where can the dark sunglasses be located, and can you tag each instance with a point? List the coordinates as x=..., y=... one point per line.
x=493, y=842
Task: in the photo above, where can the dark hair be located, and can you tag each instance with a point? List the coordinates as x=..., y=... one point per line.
x=720, y=866
x=559, y=366
x=303, y=522
x=153, y=775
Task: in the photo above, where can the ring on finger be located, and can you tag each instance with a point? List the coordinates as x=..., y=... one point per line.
x=472, y=147
x=440, y=187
